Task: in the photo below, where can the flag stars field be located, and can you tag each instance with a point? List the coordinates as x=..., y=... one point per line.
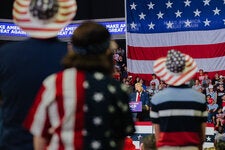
x=169, y=11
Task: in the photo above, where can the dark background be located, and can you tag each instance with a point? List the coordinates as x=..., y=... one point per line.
x=87, y=9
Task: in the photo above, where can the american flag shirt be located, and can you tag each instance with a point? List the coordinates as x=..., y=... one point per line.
x=81, y=111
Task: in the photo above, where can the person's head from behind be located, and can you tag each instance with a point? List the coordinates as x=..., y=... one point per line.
x=148, y=143
x=92, y=47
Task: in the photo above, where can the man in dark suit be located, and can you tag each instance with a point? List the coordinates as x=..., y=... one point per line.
x=141, y=96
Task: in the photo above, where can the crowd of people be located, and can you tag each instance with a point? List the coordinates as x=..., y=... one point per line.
x=212, y=87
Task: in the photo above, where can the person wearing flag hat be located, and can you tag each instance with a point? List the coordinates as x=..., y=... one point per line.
x=82, y=107
x=24, y=64
x=178, y=113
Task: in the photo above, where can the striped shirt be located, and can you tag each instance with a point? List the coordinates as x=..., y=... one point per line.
x=84, y=111
x=179, y=111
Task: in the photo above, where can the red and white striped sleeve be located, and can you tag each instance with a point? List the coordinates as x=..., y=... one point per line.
x=37, y=120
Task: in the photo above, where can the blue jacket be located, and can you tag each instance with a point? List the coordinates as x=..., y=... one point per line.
x=144, y=115
x=144, y=98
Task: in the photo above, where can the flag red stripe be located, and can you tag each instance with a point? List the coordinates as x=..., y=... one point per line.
x=40, y=29
x=185, y=74
x=195, y=51
x=79, y=115
x=67, y=13
x=68, y=6
x=148, y=77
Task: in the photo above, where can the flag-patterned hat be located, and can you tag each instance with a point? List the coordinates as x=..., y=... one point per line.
x=175, y=69
x=43, y=18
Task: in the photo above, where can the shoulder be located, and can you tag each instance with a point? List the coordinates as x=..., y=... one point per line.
x=67, y=73
x=145, y=93
x=178, y=94
x=159, y=96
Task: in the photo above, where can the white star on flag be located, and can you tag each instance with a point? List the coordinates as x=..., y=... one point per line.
x=133, y=6
x=96, y=145
x=197, y=12
x=133, y=25
x=139, y=137
x=151, y=26
x=98, y=76
x=187, y=23
x=178, y=13
x=169, y=4
x=111, y=88
x=206, y=2
x=208, y=138
x=187, y=3
x=97, y=121
x=160, y=15
x=206, y=22
x=216, y=11
x=98, y=97
x=169, y=25
x=151, y=5
x=142, y=16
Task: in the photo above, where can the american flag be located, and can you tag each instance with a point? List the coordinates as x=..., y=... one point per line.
x=145, y=128
x=195, y=27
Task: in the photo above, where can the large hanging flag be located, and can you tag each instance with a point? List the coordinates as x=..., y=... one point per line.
x=193, y=27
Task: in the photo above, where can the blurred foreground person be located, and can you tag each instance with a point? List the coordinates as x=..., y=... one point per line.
x=82, y=107
x=24, y=64
x=148, y=142
x=178, y=112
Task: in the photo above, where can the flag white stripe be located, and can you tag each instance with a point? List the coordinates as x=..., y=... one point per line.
x=146, y=66
x=47, y=97
x=176, y=38
x=209, y=131
x=144, y=129
x=55, y=122
x=208, y=144
x=69, y=109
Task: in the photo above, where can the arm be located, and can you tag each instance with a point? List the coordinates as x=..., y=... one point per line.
x=157, y=131
x=39, y=143
x=202, y=134
x=146, y=104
